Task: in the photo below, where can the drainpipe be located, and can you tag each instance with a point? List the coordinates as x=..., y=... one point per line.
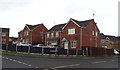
x=60, y=38
x=81, y=37
x=31, y=37
x=45, y=38
x=90, y=41
x=0, y=38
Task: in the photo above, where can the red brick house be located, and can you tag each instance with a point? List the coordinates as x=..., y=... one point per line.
x=117, y=43
x=13, y=40
x=74, y=34
x=54, y=35
x=32, y=34
x=110, y=42
x=4, y=35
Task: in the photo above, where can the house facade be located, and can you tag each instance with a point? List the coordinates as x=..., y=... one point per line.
x=110, y=42
x=32, y=34
x=4, y=35
x=54, y=35
x=117, y=43
x=74, y=34
x=13, y=40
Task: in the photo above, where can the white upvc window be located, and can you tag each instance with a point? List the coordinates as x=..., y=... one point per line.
x=73, y=44
x=52, y=35
x=96, y=33
x=71, y=31
x=57, y=34
x=27, y=33
x=3, y=34
x=48, y=35
x=27, y=41
x=93, y=33
x=3, y=41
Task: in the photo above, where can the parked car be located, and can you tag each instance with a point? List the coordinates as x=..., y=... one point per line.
x=39, y=45
x=53, y=46
x=22, y=44
x=116, y=52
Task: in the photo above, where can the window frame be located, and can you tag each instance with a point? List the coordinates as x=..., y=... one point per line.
x=93, y=33
x=48, y=35
x=27, y=33
x=3, y=41
x=73, y=44
x=96, y=33
x=71, y=31
x=4, y=34
x=52, y=35
x=57, y=34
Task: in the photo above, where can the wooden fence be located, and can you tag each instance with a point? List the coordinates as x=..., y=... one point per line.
x=90, y=51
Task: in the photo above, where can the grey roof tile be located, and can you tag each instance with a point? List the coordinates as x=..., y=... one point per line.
x=57, y=28
x=60, y=26
x=82, y=23
x=31, y=27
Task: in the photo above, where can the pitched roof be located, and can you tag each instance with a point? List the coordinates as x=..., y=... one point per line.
x=118, y=38
x=31, y=27
x=112, y=38
x=102, y=36
x=20, y=32
x=82, y=23
x=57, y=27
x=61, y=26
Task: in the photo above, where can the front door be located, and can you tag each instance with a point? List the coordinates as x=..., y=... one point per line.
x=65, y=45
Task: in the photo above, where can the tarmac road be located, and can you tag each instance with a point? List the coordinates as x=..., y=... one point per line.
x=12, y=61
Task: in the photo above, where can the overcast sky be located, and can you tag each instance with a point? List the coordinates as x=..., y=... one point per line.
x=14, y=14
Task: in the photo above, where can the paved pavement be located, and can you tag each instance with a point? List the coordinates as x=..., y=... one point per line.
x=11, y=61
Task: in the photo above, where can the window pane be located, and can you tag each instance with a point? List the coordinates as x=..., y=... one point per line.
x=68, y=31
x=3, y=34
x=51, y=34
x=96, y=33
x=27, y=32
x=92, y=32
x=73, y=44
x=71, y=31
x=48, y=35
x=26, y=41
x=57, y=34
x=3, y=41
